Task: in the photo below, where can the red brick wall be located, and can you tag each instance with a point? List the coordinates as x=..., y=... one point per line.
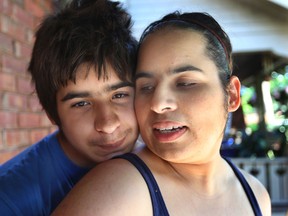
x=22, y=121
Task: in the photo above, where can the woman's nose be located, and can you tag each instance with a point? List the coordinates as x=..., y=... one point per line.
x=163, y=100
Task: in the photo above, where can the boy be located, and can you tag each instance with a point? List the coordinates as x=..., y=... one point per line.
x=81, y=66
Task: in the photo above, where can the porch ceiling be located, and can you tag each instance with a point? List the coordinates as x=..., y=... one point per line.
x=247, y=66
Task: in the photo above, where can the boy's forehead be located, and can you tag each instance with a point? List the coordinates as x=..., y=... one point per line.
x=104, y=73
x=84, y=70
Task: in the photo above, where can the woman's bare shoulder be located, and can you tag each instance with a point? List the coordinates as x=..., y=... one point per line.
x=260, y=192
x=107, y=189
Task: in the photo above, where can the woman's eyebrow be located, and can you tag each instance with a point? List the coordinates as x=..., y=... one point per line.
x=180, y=69
x=143, y=74
x=185, y=68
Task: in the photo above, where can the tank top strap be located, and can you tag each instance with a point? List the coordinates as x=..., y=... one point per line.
x=249, y=193
x=159, y=207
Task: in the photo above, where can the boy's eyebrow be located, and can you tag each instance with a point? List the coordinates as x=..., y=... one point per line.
x=72, y=95
x=176, y=70
x=82, y=94
x=121, y=85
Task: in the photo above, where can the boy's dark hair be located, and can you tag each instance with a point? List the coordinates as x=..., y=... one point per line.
x=94, y=32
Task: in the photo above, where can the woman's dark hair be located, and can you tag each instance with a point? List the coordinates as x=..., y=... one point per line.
x=92, y=32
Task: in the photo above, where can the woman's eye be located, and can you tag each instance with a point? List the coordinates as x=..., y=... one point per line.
x=81, y=104
x=120, y=95
x=185, y=84
x=145, y=88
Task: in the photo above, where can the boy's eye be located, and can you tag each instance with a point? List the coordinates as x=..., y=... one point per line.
x=81, y=104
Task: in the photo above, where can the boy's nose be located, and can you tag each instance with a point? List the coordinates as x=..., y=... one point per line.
x=106, y=120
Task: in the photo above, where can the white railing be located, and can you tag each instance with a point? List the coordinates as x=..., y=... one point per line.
x=272, y=173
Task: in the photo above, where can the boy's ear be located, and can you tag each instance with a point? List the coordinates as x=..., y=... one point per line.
x=234, y=94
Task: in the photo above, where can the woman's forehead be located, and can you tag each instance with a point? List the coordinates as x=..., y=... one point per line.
x=172, y=45
x=173, y=39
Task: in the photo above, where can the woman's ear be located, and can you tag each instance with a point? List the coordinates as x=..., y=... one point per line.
x=234, y=94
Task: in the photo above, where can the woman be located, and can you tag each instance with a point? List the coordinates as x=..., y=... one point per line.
x=184, y=92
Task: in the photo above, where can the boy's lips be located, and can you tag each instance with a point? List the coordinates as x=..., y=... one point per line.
x=112, y=145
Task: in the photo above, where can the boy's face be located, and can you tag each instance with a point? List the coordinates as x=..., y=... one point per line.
x=97, y=117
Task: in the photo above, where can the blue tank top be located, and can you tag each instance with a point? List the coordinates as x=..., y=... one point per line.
x=158, y=204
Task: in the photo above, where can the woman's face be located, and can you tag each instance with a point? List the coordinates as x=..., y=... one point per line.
x=179, y=98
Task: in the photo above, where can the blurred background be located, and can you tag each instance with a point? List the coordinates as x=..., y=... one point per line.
x=257, y=133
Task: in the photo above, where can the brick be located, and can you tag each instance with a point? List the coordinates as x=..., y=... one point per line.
x=8, y=119
x=7, y=82
x=17, y=137
x=37, y=23
x=37, y=135
x=11, y=64
x=10, y=27
x=33, y=104
x=18, y=21
x=35, y=9
x=47, y=4
x=21, y=16
x=6, y=7
x=4, y=23
x=14, y=101
x=29, y=37
x=53, y=128
x=45, y=121
x=16, y=49
x=22, y=50
x=20, y=3
x=6, y=43
x=24, y=85
x=7, y=155
x=29, y=120
x=1, y=139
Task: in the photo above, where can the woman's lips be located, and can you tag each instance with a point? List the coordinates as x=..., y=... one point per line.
x=168, y=131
